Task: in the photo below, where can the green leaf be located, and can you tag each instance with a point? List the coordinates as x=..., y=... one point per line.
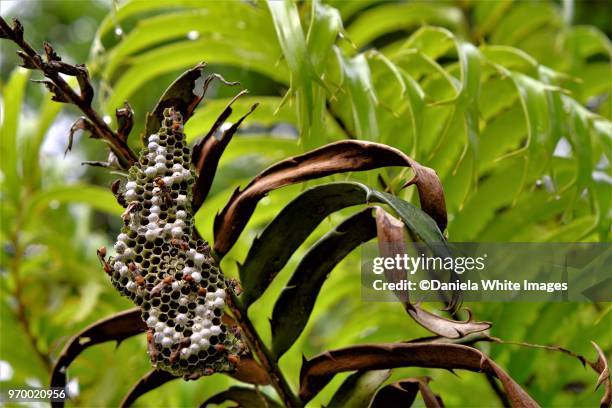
x=362, y=96
x=12, y=99
x=96, y=197
x=392, y=17
x=205, y=21
x=305, y=81
x=179, y=56
x=267, y=256
x=296, y=301
x=269, y=112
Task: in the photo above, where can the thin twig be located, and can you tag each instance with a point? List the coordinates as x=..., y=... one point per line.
x=52, y=68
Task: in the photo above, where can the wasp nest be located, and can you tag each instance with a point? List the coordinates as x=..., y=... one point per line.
x=164, y=269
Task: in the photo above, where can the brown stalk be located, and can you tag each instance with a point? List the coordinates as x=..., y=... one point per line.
x=62, y=92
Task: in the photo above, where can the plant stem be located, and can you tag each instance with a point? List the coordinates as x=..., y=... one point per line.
x=263, y=353
x=20, y=313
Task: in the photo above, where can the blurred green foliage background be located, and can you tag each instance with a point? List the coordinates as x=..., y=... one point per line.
x=508, y=100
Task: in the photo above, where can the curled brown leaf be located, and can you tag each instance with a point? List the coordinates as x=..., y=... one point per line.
x=601, y=367
x=392, y=242
x=318, y=371
x=117, y=327
x=151, y=380
x=404, y=392
x=338, y=157
x=207, y=152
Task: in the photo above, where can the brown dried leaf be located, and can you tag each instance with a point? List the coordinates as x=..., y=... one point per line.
x=601, y=367
x=57, y=94
x=391, y=242
x=338, y=157
x=243, y=396
x=87, y=91
x=50, y=52
x=84, y=124
x=207, y=153
x=117, y=327
x=149, y=381
x=27, y=61
x=184, y=95
x=249, y=371
x=318, y=371
x=404, y=392
x=125, y=120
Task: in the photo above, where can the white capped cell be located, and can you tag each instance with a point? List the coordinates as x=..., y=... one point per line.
x=130, y=195
x=219, y=303
x=177, y=167
x=220, y=294
x=150, y=172
x=131, y=286
x=215, y=330
x=181, y=215
x=152, y=146
x=206, y=333
x=158, y=337
x=176, y=232
x=150, y=235
x=167, y=342
x=198, y=259
x=196, y=337
x=120, y=247
x=197, y=277
x=159, y=167
x=155, y=210
x=181, y=318
x=160, y=326
x=168, y=331
x=183, y=300
x=204, y=343
x=200, y=310
x=181, y=199
x=154, y=138
x=160, y=159
x=151, y=321
x=123, y=271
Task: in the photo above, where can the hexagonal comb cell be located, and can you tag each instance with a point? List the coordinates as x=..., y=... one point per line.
x=164, y=269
